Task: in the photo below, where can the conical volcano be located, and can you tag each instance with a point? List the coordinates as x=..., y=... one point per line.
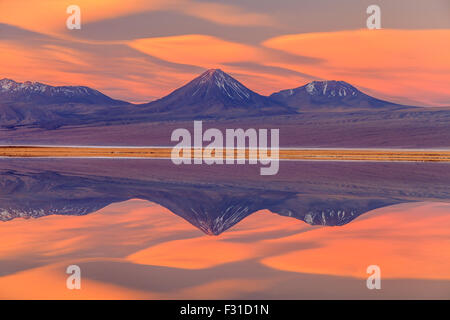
x=215, y=94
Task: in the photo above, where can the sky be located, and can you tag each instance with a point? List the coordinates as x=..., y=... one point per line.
x=140, y=50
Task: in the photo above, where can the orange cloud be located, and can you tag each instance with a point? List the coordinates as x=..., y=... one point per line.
x=49, y=16
x=225, y=14
x=197, y=50
x=398, y=65
x=121, y=77
x=408, y=63
x=212, y=52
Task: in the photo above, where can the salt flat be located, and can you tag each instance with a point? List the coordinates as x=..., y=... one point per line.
x=323, y=154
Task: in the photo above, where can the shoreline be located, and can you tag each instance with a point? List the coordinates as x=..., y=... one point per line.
x=324, y=154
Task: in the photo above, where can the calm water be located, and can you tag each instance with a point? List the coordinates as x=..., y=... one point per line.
x=150, y=229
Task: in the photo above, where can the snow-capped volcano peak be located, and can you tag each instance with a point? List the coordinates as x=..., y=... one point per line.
x=211, y=73
x=328, y=94
x=217, y=79
x=331, y=88
x=215, y=94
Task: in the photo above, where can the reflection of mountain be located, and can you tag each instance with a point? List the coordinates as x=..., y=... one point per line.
x=329, y=212
x=212, y=209
x=330, y=199
x=44, y=193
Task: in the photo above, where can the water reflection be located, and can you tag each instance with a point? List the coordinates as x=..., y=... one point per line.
x=139, y=249
x=215, y=199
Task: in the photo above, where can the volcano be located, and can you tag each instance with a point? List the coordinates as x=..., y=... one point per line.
x=215, y=94
x=326, y=95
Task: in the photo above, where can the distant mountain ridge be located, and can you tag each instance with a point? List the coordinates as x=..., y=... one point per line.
x=212, y=95
x=39, y=93
x=329, y=93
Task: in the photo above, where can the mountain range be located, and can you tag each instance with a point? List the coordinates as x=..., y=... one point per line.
x=42, y=94
x=212, y=95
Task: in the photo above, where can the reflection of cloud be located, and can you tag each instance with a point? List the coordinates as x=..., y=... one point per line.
x=406, y=241
x=276, y=257
x=208, y=252
x=49, y=282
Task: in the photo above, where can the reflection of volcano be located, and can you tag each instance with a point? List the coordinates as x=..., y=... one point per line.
x=329, y=212
x=211, y=207
x=215, y=209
